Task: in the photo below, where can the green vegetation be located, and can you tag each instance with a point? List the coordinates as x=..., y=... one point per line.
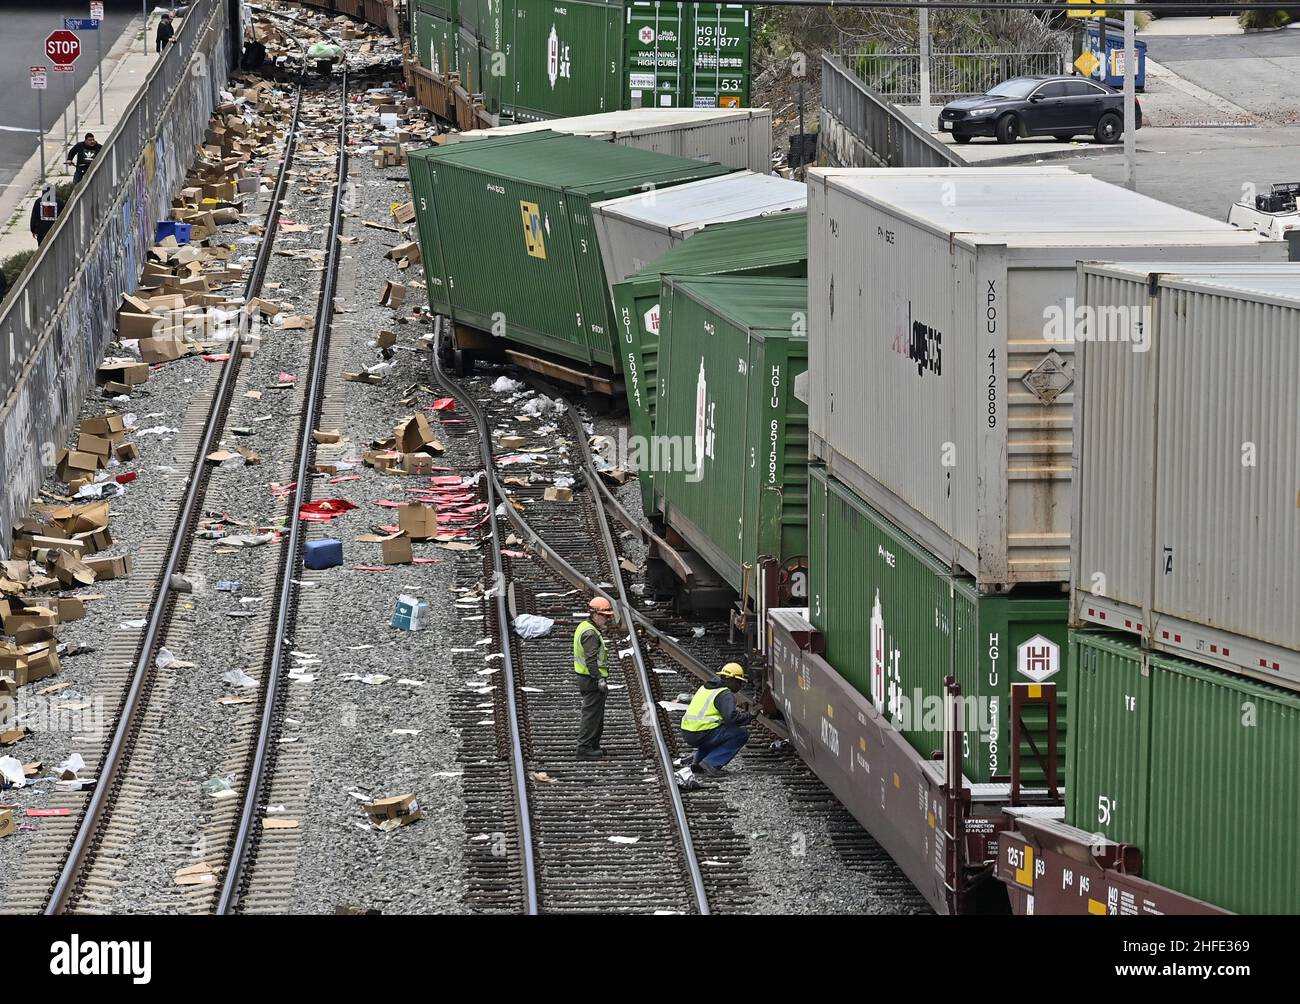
x=1263, y=18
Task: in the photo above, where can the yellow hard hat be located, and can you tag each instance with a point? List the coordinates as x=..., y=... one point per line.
x=733, y=671
x=600, y=605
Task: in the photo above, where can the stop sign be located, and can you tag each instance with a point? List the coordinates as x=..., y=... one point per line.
x=63, y=47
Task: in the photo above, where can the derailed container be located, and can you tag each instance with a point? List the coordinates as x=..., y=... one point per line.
x=766, y=246
x=732, y=433
x=941, y=366
x=736, y=137
x=1187, y=456
x=1195, y=767
x=636, y=229
x=507, y=238
x=897, y=622
x=433, y=37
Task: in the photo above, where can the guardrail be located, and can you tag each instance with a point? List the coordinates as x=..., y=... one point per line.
x=59, y=316
x=859, y=128
x=896, y=76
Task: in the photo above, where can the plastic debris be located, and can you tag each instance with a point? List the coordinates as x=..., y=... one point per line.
x=504, y=385
x=239, y=678
x=11, y=770
x=533, y=625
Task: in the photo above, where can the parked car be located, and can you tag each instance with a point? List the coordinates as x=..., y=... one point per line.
x=1060, y=107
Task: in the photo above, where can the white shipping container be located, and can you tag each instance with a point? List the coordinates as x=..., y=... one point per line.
x=942, y=366
x=1187, y=464
x=636, y=229
x=736, y=137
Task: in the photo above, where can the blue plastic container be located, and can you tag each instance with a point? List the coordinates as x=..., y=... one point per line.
x=1114, y=60
x=323, y=553
x=170, y=228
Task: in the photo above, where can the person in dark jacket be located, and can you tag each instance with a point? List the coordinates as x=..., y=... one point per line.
x=713, y=726
x=165, y=32
x=39, y=225
x=82, y=155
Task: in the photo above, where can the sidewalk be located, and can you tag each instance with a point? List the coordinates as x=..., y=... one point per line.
x=126, y=66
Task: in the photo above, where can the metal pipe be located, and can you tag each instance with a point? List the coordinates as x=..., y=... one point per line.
x=1130, y=102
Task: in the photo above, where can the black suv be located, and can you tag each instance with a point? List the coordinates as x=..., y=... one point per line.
x=1060, y=107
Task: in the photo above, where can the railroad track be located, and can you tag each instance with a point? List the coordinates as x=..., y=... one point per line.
x=610, y=836
x=558, y=586
x=100, y=835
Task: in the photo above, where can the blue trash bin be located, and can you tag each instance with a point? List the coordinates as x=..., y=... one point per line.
x=1112, y=69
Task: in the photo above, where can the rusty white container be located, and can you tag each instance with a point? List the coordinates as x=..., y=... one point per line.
x=942, y=366
x=1187, y=463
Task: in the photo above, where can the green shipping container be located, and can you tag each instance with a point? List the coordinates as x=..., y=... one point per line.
x=434, y=40
x=507, y=237
x=467, y=62
x=1196, y=767
x=729, y=425
x=767, y=246
x=721, y=51
x=565, y=58
x=896, y=622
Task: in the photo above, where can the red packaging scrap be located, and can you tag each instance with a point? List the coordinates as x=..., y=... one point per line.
x=345, y=477
x=324, y=510
x=286, y=378
x=126, y=478
x=216, y=357
x=444, y=404
x=386, y=504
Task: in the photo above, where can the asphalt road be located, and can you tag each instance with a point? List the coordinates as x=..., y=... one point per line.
x=22, y=44
x=1256, y=71
x=1205, y=169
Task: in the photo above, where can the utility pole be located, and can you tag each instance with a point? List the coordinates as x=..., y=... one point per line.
x=923, y=26
x=1130, y=102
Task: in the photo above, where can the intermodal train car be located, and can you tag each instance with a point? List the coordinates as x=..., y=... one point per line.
x=529, y=60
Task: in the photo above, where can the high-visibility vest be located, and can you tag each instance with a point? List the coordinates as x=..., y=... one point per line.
x=703, y=713
x=580, y=657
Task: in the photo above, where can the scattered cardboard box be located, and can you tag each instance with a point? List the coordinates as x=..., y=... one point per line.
x=392, y=295
x=397, y=550
x=554, y=494
x=110, y=567
x=390, y=813
x=417, y=520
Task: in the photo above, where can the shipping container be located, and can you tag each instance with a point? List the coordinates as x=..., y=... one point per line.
x=897, y=622
x=730, y=438
x=467, y=62
x=433, y=39
x=941, y=389
x=1187, y=456
x=1195, y=767
x=507, y=237
x=765, y=246
x=636, y=229
x=739, y=138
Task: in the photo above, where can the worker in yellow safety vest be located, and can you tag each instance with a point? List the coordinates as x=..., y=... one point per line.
x=591, y=667
x=713, y=726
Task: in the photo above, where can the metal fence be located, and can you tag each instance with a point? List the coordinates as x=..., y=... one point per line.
x=897, y=75
x=39, y=293
x=59, y=317
x=861, y=129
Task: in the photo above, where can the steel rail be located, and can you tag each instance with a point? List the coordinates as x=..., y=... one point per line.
x=495, y=492
x=665, y=757
x=579, y=580
x=228, y=900
x=179, y=549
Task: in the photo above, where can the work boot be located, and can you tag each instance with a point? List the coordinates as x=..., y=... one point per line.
x=708, y=771
x=596, y=754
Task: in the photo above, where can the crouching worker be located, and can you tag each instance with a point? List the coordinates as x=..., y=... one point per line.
x=713, y=726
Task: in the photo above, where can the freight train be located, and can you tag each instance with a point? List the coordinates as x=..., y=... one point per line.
x=868, y=426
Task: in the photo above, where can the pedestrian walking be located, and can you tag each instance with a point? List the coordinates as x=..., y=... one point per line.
x=591, y=665
x=45, y=213
x=713, y=726
x=83, y=154
x=165, y=33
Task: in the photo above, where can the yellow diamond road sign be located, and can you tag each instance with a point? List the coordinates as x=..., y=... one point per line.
x=1087, y=63
x=1083, y=8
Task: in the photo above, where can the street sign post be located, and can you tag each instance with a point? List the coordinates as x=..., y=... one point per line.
x=62, y=48
x=92, y=24
x=39, y=83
